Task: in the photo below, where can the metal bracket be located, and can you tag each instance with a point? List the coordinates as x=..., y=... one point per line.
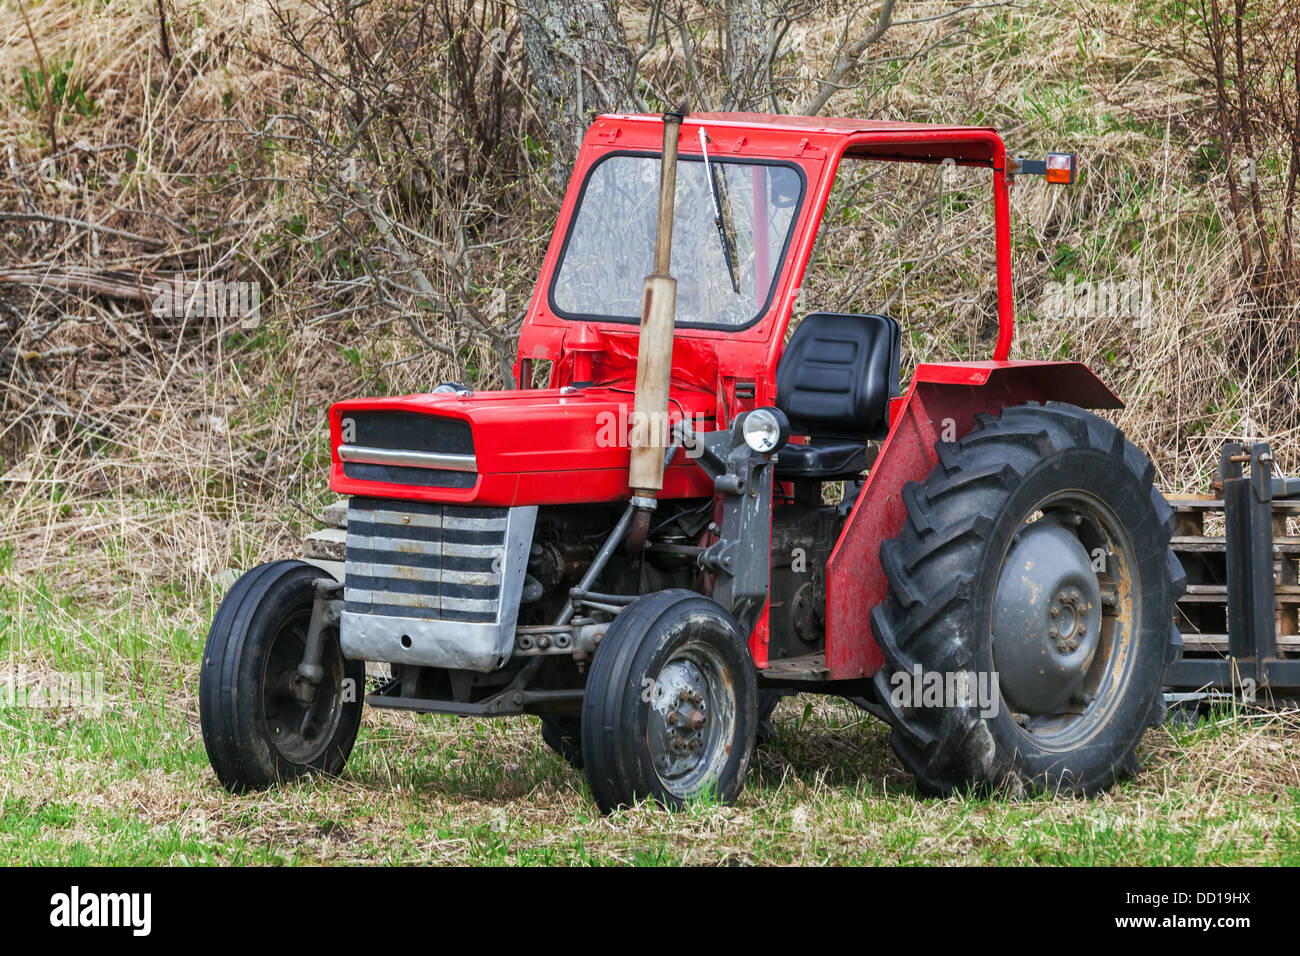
x=741, y=557
x=325, y=613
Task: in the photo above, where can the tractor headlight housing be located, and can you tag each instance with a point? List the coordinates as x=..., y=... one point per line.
x=766, y=430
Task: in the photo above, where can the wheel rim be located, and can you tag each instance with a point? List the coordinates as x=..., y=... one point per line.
x=692, y=719
x=1064, y=620
x=300, y=733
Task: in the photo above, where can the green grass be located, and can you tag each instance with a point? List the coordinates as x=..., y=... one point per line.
x=131, y=784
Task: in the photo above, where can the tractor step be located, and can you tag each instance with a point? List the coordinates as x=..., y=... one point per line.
x=808, y=667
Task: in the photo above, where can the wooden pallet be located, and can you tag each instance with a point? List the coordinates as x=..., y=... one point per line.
x=1202, y=610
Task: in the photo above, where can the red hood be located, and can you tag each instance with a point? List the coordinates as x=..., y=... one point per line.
x=537, y=446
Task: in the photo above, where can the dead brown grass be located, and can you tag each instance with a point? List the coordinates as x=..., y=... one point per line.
x=113, y=408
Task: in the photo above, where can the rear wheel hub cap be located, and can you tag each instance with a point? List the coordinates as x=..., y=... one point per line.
x=1046, y=619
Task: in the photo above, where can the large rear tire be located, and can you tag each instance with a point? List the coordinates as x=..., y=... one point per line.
x=256, y=732
x=1035, y=558
x=669, y=711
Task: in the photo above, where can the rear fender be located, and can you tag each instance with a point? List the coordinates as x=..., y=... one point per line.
x=941, y=404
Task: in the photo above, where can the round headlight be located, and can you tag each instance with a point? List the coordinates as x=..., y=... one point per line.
x=765, y=429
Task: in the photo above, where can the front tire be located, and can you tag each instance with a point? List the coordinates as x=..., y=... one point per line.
x=669, y=711
x=1035, y=559
x=255, y=731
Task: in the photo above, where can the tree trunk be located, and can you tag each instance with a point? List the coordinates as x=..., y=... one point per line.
x=581, y=65
x=747, y=45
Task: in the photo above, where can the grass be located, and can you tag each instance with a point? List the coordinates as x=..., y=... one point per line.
x=131, y=784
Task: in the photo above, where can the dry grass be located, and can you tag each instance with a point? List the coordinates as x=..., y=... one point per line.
x=141, y=457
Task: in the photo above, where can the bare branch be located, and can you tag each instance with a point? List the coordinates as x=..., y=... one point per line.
x=847, y=60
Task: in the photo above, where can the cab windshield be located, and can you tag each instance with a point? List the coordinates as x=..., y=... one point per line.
x=610, y=246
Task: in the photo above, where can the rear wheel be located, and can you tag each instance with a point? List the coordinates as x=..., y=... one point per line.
x=256, y=731
x=669, y=711
x=1028, y=622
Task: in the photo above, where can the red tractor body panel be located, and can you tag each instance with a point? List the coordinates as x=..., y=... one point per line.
x=535, y=447
x=566, y=445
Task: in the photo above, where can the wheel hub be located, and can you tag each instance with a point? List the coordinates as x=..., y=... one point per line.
x=682, y=727
x=1070, y=624
x=1046, y=619
x=300, y=730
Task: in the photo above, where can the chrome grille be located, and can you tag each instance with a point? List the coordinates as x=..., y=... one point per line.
x=407, y=448
x=418, y=560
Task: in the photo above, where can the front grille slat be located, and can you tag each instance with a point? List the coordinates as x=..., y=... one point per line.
x=478, y=525
x=451, y=606
x=381, y=516
x=412, y=573
x=486, y=578
x=424, y=560
x=430, y=544
x=424, y=602
x=470, y=552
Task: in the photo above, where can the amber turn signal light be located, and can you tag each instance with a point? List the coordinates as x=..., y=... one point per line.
x=1060, y=168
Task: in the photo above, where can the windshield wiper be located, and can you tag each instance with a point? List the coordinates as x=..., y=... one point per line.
x=718, y=220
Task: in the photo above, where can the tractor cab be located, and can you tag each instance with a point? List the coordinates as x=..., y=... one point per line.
x=634, y=540
x=749, y=197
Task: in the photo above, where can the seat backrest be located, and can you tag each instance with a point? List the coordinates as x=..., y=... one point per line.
x=838, y=374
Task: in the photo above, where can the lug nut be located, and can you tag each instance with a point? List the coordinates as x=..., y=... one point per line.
x=695, y=743
x=672, y=718
x=698, y=720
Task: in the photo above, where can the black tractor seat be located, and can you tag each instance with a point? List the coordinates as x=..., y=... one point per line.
x=834, y=383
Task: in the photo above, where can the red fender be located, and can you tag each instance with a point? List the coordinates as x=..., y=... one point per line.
x=941, y=404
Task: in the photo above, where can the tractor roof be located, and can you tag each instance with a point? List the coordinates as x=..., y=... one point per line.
x=760, y=133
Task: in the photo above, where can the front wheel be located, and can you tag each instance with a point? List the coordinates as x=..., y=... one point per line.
x=1028, y=622
x=669, y=711
x=257, y=732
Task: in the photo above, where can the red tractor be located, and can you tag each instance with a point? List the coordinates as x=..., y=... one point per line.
x=644, y=552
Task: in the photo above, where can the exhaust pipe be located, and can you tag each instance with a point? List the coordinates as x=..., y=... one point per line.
x=649, y=431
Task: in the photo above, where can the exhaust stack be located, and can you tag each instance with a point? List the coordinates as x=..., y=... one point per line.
x=649, y=432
